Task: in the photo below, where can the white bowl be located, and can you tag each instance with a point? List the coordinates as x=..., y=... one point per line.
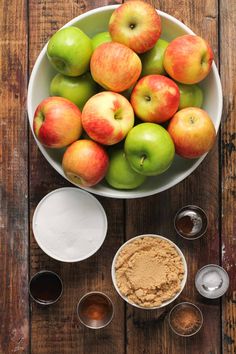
x=165, y=303
x=69, y=224
x=43, y=72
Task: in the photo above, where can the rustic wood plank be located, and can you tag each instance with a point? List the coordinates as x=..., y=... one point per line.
x=57, y=329
x=146, y=334
x=228, y=159
x=14, y=330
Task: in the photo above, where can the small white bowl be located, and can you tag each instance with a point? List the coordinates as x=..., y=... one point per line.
x=93, y=22
x=165, y=303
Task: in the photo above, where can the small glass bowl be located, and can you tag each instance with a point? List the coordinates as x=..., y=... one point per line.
x=95, y=310
x=191, y=222
x=212, y=281
x=182, y=306
x=42, y=282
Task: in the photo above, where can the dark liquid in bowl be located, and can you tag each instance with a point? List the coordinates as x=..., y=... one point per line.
x=191, y=223
x=46, y=287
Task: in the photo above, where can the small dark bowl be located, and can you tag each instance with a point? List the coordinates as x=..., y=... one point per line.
x=39, y=299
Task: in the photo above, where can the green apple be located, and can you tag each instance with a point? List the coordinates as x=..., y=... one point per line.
x=127, y=93
x=152, y=61
x=100, y=38
x=149, y=149
x=76, y=89
x=190, y=96
x=69, y=50
x=119, y=174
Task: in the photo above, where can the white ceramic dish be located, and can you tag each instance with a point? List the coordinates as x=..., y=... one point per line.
x=69, y=224
x=96, y=21
x=113, y=275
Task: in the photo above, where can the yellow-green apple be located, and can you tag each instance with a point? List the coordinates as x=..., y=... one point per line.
x=127, y=93
x=149, y=149
x=135, y=24
x=190, y=96
x=100, y=38
x=57, y=122
x=155, y=98
x=115, y=67
x=107, y=117
x=77, y=89
x=69, y=51
x=85, y=162
x=192, y=131
x=188, y=59
x=152, y=61
x=119, y=174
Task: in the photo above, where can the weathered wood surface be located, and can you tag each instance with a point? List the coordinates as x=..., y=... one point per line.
x=14, y=312
x=228, y=169
x=56, y=330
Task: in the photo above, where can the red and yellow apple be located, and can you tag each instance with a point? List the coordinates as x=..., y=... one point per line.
x=85, y=162
x=155, y=98
x=115, y=67
x=192, y=131
x=107, y=117
x=57, y=122
x=188, y=59
x=135, y=24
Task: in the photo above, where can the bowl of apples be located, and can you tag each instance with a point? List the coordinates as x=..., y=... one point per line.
x=128, y=107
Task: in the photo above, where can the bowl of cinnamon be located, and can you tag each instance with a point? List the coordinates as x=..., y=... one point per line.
x=185, y=319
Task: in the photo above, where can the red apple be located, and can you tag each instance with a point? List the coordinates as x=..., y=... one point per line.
x=188, y=59
x=192, y=131
x=155, y=98
x=85, y=162
x=107, y=117
x=57, y=122
x=135, y=24
x=115, y=67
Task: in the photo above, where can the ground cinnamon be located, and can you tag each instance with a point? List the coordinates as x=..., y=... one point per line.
x=185, y=320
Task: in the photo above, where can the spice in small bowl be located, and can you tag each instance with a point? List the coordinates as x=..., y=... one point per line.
x=191, y=222
x=185, y=319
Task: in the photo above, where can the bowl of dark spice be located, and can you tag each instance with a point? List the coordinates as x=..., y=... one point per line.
x=191, y=222
x=185, y=319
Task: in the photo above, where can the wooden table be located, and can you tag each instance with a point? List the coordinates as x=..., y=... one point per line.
x=26, y=177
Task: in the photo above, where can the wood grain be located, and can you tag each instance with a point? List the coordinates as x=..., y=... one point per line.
x=228, y=163
x=146, y=334
x=57, y=329
x=14, y=314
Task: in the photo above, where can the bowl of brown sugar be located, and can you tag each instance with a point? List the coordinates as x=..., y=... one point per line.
x=149, y=271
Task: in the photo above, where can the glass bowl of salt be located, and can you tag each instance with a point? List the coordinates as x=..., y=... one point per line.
x=212, y=281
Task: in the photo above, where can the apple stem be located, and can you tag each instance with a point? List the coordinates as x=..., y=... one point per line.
x=142, y=160
x=192, y=120
x=41, y=116
x=117, y=115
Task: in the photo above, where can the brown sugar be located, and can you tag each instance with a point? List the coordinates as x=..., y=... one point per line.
x=149, y=271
